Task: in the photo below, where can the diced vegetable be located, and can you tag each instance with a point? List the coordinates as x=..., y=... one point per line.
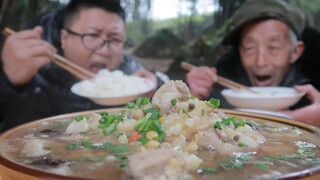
x=134, y=137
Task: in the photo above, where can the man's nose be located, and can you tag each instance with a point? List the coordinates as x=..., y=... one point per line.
x=262, y=57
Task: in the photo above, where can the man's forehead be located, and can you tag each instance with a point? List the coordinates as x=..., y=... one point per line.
x=98, y=20
x=267, y=26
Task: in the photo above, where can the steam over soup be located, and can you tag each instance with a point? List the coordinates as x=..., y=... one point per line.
x=175, y=136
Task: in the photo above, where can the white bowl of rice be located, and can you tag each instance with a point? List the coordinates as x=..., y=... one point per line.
x=266, y=98
x=113, y=88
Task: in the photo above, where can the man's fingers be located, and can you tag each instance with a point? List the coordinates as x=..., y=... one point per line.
x=28, y=34
x=38, y=62
x=312, y=93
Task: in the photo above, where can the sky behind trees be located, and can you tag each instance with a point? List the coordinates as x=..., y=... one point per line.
x=164, y=9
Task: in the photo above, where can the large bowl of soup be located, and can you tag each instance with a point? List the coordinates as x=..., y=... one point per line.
x=172, y=136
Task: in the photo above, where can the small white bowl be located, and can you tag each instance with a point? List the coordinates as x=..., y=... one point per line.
x=113, y=100
x=266, y=98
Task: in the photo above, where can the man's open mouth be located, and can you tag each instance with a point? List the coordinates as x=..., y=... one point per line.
x=97, y=67
x=263, y=80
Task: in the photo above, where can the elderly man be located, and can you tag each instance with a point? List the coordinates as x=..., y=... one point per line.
x=88, y=33
x=266, y=45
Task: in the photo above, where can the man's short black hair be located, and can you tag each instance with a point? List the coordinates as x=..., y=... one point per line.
x=74, y=6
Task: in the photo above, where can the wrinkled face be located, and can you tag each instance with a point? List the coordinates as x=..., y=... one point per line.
x=98, y=23
x=267, y=52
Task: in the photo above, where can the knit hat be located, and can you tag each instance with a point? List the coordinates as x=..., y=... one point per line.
x=254, y=10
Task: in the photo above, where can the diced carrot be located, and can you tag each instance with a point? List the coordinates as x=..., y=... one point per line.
x=134, y=137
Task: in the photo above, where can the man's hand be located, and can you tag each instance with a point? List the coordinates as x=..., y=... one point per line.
x=310, y=113
x=24, y=53
x=201, y=80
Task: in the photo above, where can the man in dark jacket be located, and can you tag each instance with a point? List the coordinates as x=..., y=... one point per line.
x=266, y=42
x=91, y=33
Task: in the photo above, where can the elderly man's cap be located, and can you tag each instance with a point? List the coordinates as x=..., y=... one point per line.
x=253, y=10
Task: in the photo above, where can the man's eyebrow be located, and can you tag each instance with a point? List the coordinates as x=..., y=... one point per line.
x=91, y=27
x=246, y=39
x=275, y=38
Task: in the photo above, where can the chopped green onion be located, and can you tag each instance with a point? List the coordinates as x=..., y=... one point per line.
x=123, y=165
x=119, y=134
x=79, y=118
x=140, y=124
x=121, y=156
x=139, y=102
x=262, y=165
x=107, y=145
x=119, y=149
x=306, y=151
x=46, y=148
x=173, y=102
x=185, y=112
x=209, y=170
x=218, y=125
x=130, y=105
x=72, y=146
x=82, y=158
x=202, y=112
x=110, y=129
x=154, y=113
x=245, y=157
x=143, y=140
x=93, y=159
x=215, y=103
x=159, y=129
x=242, y=145
x=87, y=144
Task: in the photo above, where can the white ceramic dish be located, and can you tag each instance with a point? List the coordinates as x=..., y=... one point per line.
x=114, y=99
x=266, y=98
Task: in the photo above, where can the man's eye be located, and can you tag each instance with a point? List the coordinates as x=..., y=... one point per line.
x=248, y=49
x=274, y=47
x=115, y=40
x=93, y=35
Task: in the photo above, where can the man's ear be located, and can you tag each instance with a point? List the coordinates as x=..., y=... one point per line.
x=63, y=36
x=297, y=51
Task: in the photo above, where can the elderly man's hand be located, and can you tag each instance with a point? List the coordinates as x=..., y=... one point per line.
x=24, y=53
x=310, y=113
x=201, y=80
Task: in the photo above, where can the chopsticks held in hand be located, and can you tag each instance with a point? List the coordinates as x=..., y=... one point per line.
x=223, y=81
x=69, y=66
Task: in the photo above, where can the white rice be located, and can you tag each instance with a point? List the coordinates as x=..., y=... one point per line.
x=112, y=84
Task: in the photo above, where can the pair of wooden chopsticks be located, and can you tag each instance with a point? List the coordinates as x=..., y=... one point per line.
x=223, y=81
x=69, y=66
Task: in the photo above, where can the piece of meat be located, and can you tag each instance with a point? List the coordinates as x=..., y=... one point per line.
x=150, y=161
x=172, y=90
